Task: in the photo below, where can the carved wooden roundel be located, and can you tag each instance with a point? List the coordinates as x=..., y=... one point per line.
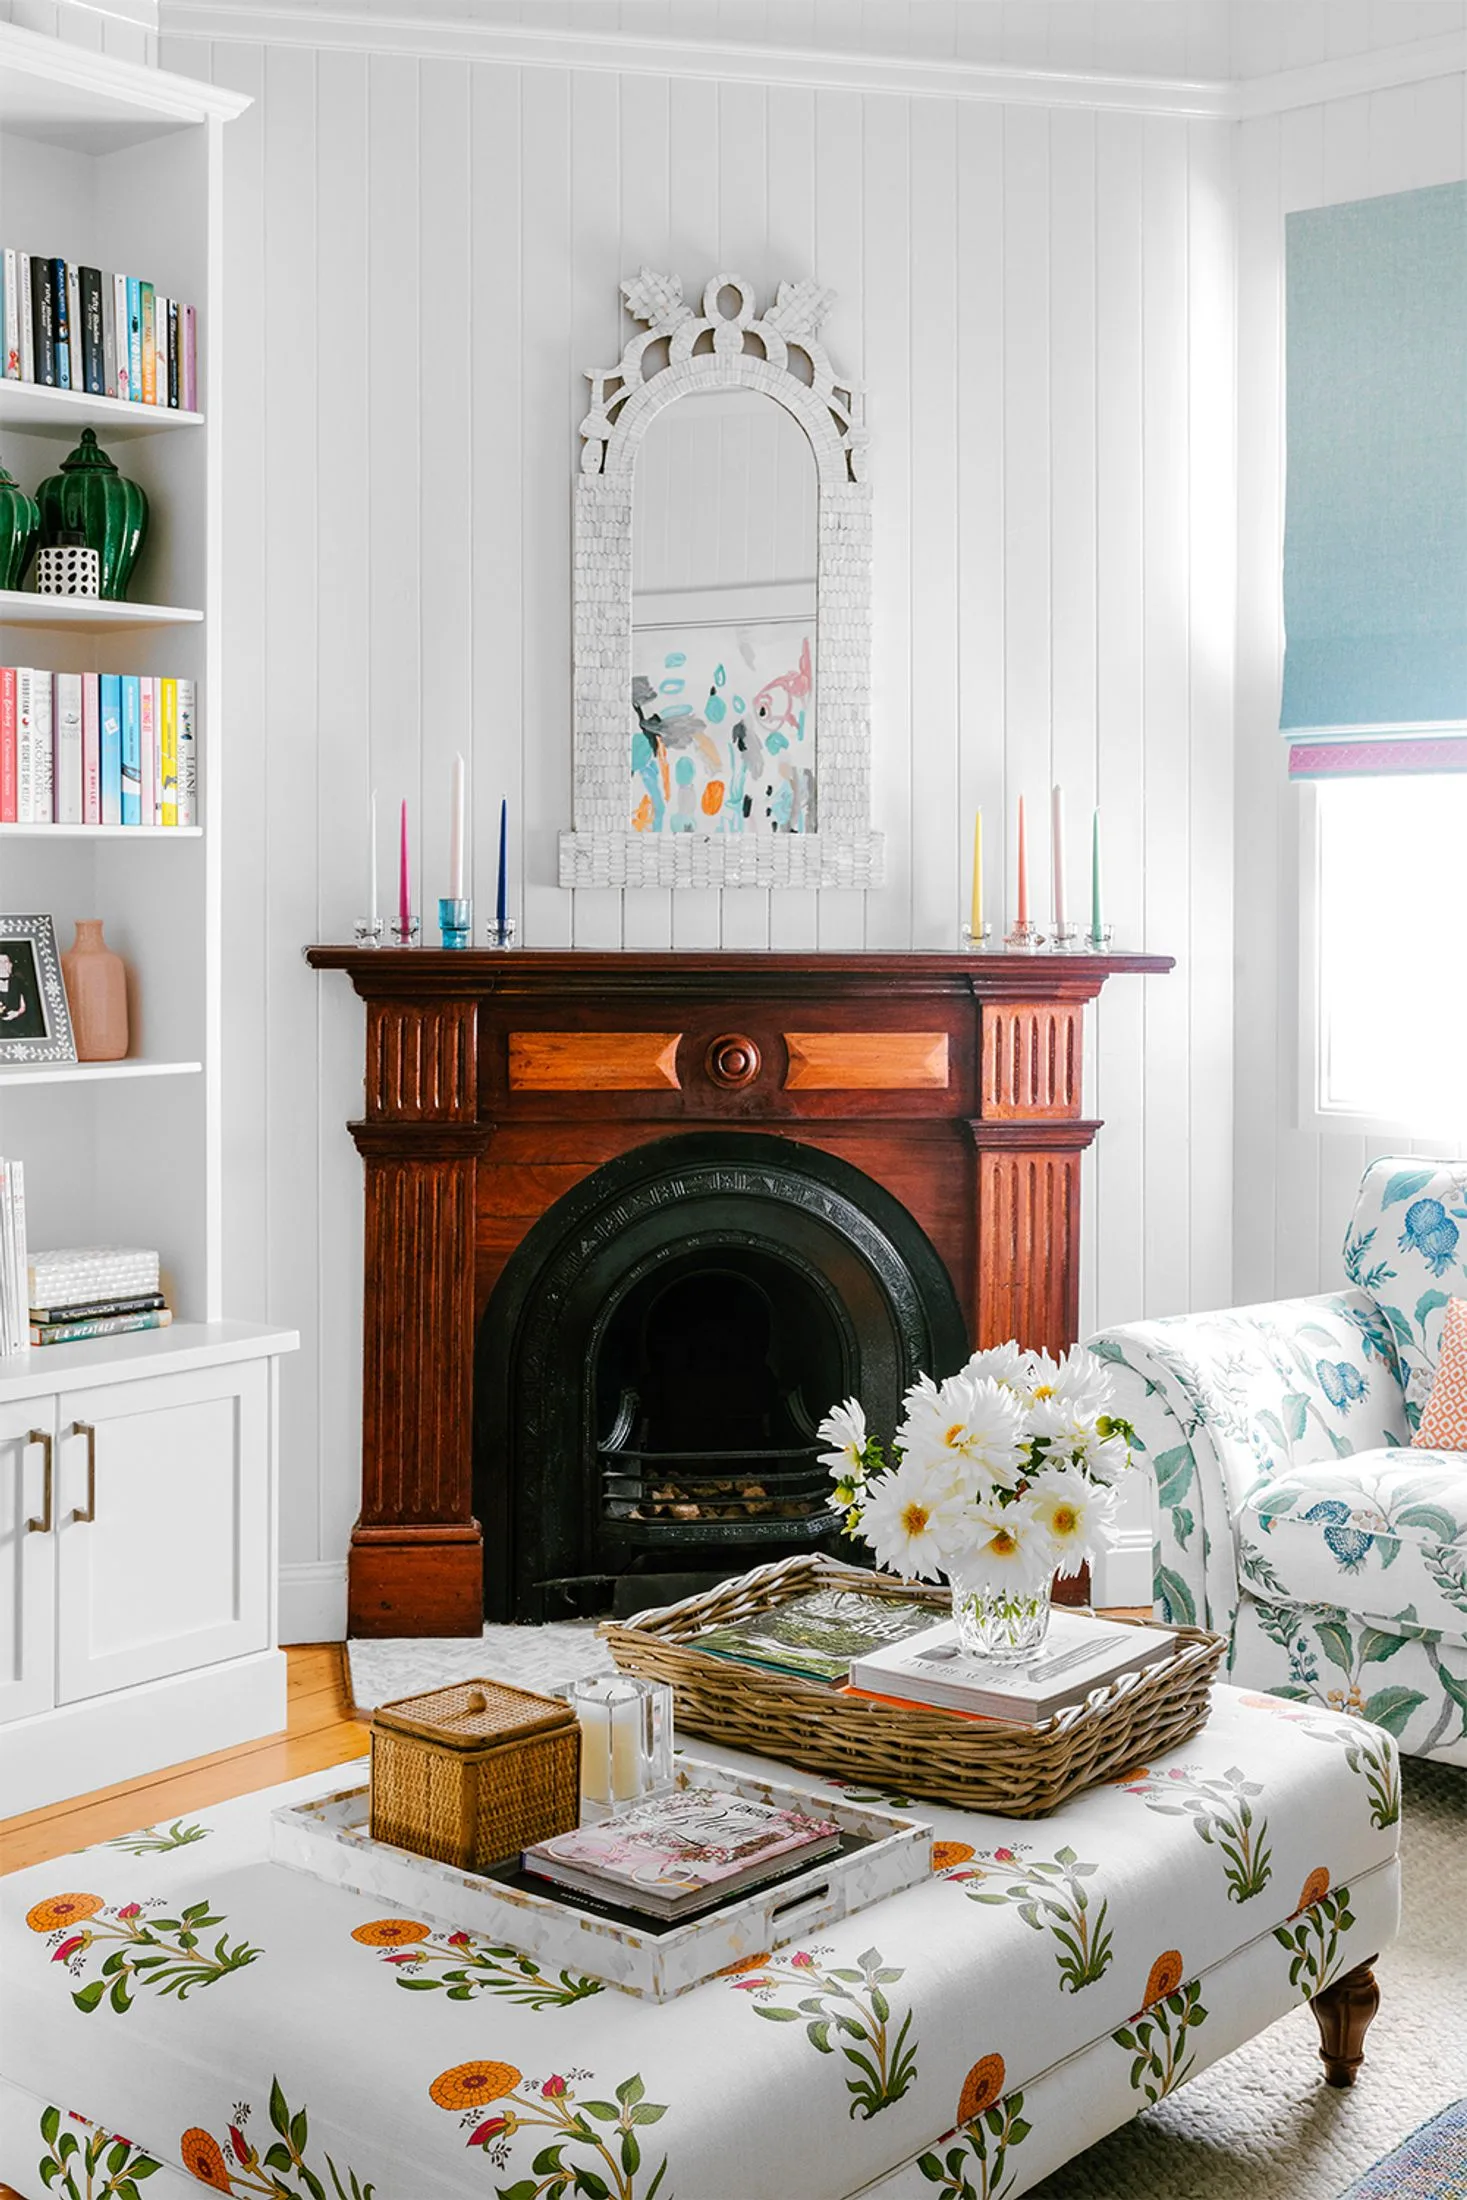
x=733, y=1060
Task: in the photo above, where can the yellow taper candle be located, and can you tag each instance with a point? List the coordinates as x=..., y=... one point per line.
x=976, y=919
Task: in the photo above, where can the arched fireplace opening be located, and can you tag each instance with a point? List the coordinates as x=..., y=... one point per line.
x=652, y=1365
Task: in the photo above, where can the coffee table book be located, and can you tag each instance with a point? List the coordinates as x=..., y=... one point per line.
x=684, y=1852
x=1080, y=1654
x=881, y=1855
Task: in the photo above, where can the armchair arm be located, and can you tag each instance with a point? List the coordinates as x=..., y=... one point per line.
x=1223, y=1403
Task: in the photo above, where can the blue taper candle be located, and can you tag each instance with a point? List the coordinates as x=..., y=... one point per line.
x=501, y=909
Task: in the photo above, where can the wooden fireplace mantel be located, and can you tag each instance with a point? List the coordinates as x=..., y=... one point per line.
x=496, y=1082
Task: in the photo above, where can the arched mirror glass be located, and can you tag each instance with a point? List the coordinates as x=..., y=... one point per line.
x=722, y=601
x=724, y=635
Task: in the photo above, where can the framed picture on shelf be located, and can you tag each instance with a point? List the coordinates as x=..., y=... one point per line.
x=35, y=1021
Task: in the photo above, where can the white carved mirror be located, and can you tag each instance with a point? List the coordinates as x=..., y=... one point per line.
x=722, y=591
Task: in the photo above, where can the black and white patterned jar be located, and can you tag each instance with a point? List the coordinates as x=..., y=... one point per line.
x=69, y=569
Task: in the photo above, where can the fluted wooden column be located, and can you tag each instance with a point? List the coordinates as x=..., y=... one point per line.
x=1029, y=1135
x=416, y=1561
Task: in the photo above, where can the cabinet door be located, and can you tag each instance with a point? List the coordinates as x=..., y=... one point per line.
x=27, y=1560
x=163, y=1496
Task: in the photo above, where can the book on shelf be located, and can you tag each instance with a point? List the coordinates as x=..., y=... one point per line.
x=674, y=1855
x=13, y=1262
x=1080, y=1653
x=77, y=1293
x=106, y=1325
x=88, y=748
x=815, y=1636
x=73, y=327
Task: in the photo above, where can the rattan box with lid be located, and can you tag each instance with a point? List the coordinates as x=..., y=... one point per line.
x=474, y=1773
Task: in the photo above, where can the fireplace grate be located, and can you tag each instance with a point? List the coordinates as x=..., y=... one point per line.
x=754, y=1493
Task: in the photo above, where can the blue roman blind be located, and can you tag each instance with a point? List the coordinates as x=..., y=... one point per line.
x=1375, y=542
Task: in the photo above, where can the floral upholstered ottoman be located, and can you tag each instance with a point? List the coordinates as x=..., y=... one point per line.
x=175, y=2011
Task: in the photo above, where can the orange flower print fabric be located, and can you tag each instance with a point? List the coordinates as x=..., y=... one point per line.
x=603, y=2136
x=981, y=2087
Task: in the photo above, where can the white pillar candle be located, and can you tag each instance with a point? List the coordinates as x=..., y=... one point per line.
x=456, y=834
x=595, y=1753
x=1057, y=826
x=626, y=1750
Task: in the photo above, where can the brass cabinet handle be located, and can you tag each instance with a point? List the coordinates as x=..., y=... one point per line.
x=47, y=1521
x=85, y=1428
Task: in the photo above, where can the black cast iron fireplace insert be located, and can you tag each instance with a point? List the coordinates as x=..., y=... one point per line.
x=651, y=1367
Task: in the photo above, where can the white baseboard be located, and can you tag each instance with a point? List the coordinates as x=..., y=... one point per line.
x=313, y=1601
x=82, y=1746
x=1121, y=1572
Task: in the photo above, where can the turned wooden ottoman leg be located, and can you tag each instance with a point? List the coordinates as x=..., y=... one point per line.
x=1343, y=2013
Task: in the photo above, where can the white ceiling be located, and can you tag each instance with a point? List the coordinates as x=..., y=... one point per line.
x=1197, y=39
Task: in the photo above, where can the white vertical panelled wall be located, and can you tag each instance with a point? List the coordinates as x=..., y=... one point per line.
x=1295, y=1187
x=424, y=254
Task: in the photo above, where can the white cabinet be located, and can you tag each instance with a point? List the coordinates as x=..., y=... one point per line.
x=27, y=1559
x=137, y=1558
x=162, y=1532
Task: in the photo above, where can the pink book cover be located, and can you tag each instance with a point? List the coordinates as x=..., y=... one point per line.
x=91, y=749
x=8, y=758
x=694, y=1837
x=148, y=724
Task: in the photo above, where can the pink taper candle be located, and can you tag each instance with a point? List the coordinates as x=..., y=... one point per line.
x=1023, y=868
x=404, y=883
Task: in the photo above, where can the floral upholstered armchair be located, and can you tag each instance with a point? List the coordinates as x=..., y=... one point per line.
x=1293, y=1514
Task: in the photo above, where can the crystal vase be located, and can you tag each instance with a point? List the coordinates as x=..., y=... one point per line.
x=1005, y=1626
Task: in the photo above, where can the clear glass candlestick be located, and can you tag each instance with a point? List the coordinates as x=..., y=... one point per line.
x=500, y=932
x=456, y=920
x=1025, y=937
x=1098, y=943
x=1066, y=939
x=367, y=931
x=626, y=1741
x=405, y=931
x=978, y=942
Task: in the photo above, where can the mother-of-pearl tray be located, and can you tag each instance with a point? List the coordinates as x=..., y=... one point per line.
x=882, y=1855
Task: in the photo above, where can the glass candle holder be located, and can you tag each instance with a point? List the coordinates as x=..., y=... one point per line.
x=367, y=931
x=456, y=920
x=500, y=935
x=626, y=1741
x=978, y=942
x=405, y=934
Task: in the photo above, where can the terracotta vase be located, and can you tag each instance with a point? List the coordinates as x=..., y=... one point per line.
x=96, y=987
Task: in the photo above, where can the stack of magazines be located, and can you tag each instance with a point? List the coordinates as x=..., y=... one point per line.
x=89, y=1291
x=12, y=1257
x=678, y=1854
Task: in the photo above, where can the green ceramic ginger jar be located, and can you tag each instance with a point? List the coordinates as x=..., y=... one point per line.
x=20, y=523
x=90, y=498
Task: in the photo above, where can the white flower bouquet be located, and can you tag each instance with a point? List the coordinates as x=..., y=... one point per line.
x=999, y=1478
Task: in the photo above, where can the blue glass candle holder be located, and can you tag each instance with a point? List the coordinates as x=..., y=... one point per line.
x=456, y=920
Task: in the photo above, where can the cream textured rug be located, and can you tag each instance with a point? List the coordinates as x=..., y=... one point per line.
x=1261, y=2124
x=535, y=1657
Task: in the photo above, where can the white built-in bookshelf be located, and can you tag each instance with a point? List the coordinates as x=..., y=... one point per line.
x=116, y=166
x=131, y=1460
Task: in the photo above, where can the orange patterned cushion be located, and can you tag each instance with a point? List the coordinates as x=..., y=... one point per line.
x=1444, y=1422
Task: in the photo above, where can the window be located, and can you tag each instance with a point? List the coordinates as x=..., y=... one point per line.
x=1383, y=966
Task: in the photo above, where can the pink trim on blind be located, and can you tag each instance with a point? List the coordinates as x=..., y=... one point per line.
x=1376, y=759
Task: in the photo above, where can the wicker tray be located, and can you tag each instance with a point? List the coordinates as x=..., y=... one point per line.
x=1015, y=1771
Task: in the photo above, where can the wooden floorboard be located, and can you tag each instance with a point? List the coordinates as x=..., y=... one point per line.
x=319, y=1731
